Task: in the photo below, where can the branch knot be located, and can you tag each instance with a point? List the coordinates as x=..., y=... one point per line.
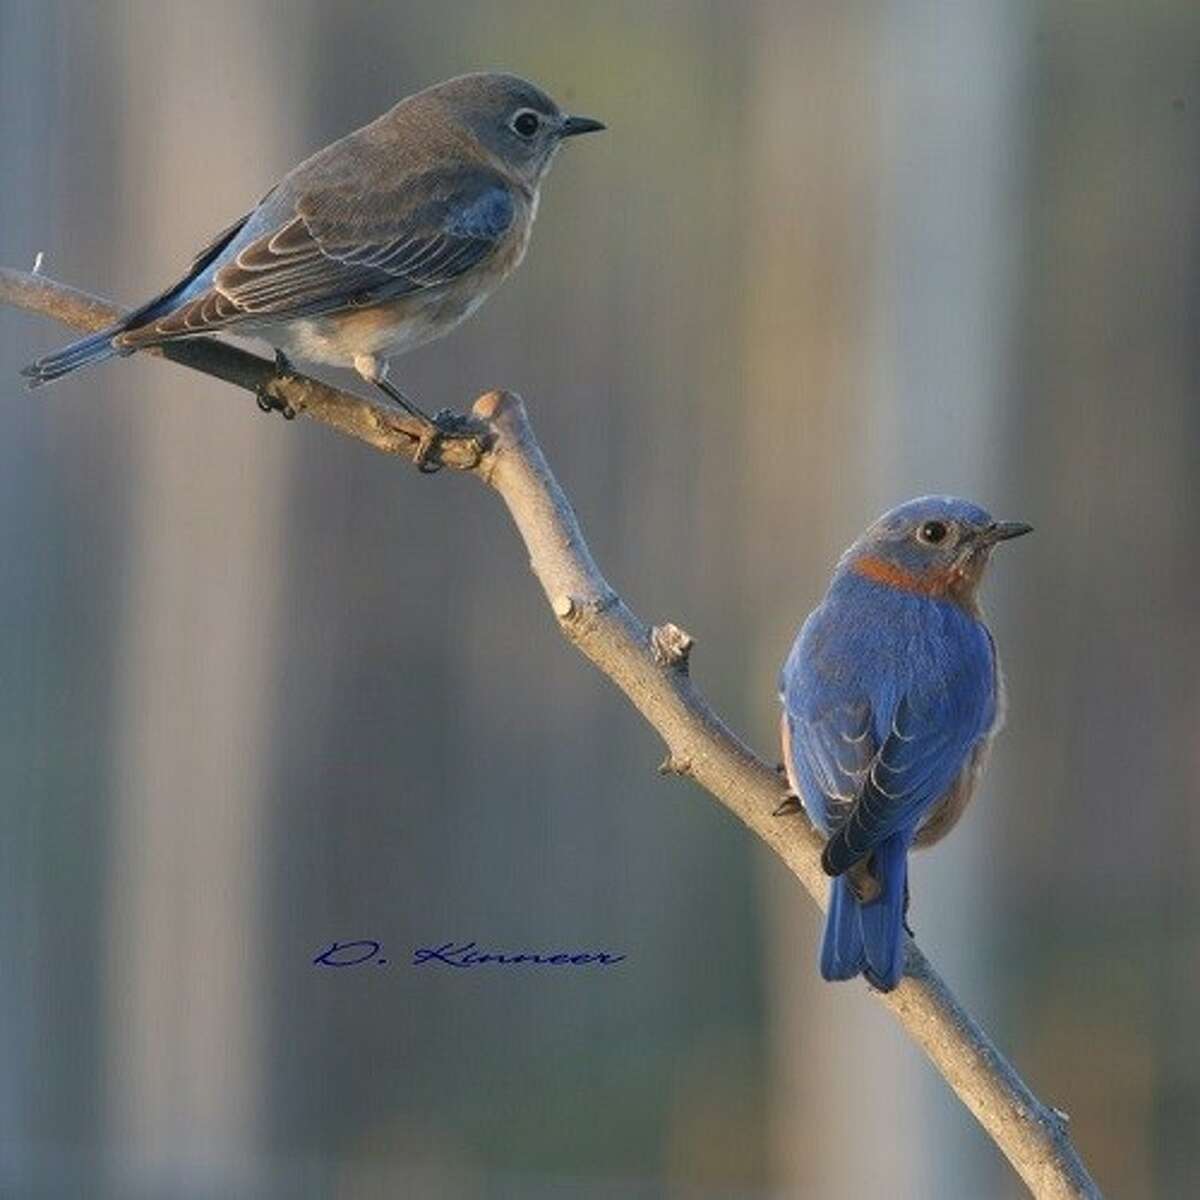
x=671, y=646
x=566, y=607
x=675, y=764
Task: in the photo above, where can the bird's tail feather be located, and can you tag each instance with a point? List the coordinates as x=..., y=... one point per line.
x=842, y=952
x=96, y=347
x=883, y=917
x=868, y=938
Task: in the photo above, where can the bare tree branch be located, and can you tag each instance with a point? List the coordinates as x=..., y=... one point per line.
x=650, y=665
x=379, y=423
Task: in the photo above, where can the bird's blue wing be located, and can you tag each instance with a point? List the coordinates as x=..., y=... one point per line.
x=877, y=726
x=828, y=724
x=330, y=248
x=829, y=752
x=923, y=746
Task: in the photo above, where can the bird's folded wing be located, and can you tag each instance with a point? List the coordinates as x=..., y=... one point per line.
x=333, y=249
x=922, y=751
x=831, y=753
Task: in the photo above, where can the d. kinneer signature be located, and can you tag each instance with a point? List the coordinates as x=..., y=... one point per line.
x=365, y=952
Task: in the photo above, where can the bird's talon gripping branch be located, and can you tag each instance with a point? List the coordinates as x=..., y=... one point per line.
x=446, y=423
x=265, y=396
x=268, y=402
x=428, y=441
x=787, y=806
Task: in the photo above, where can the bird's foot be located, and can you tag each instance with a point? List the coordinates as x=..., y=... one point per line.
x=788, y=805
x=445, y=423
x=433, y=429
x=268, y=401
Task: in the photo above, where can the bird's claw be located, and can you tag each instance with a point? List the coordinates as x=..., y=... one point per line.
x=788, y=805
x=267, y=401
x=443, y=424
x=431, y=435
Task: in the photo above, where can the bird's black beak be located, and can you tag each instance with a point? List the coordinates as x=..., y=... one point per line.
x=1001, y=531
x=574, y=126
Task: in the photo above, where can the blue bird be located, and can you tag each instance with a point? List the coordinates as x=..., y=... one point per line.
x=384, y=240
x=891, y=696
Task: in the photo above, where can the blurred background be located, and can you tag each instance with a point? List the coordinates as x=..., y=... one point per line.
x=262, y=688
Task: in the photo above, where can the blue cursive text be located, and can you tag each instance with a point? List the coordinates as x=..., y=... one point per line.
x=367, y=951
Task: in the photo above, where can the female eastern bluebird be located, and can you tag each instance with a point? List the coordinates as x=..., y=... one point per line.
x=384, y=240
x=891, y=696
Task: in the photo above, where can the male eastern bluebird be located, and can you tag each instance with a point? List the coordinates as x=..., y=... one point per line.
x=384, y=240
x=891, y=696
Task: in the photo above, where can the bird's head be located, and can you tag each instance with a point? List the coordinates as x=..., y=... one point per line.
x=934, y=546
x=511, y=118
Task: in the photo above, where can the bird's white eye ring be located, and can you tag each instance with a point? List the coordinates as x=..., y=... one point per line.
x=525, y=123
x=932, y=533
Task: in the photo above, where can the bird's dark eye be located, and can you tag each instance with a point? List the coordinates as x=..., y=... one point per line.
x=933, y=532
x=525, y=123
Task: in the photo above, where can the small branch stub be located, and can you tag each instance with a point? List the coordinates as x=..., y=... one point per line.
x=670, y=646
x=565, y=607
x=490, y=405
x=673, y=765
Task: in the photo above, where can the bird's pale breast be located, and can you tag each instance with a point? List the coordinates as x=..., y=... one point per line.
x=394, y=327
x=945, y=813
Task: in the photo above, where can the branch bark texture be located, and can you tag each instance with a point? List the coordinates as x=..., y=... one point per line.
x=651, y=666
x=379, y=423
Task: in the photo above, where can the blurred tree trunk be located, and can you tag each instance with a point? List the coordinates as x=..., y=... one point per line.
x=955, y=118
x=879, y=308
x=198, y=641
x=812, y=347
x=59, y=594
x=1106, y=908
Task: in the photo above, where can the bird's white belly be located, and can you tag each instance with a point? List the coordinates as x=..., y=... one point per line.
x=377, y=331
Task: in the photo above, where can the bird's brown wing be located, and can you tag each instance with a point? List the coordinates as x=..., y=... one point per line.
x=330, y=249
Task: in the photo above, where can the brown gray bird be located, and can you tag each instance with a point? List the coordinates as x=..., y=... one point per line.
x=384, y=240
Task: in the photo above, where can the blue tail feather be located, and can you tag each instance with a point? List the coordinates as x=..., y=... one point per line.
x=99, y=346
x=883, y=918
x=842, y=953
x=94, y=348
x=868, y=938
